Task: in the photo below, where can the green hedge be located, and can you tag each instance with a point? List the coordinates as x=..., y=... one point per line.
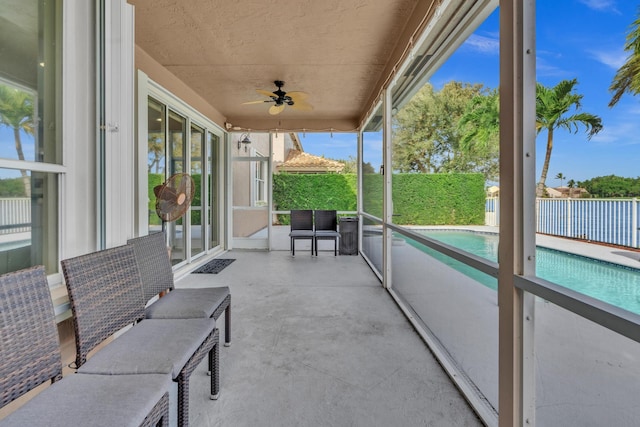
x=429, y=199
x=318, y=191
x=418, y=199
x=438, y=199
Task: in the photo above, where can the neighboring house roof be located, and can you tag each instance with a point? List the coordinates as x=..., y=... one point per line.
x=566, y=192
x=301, y=162
x=493, y=191
x=553, y=193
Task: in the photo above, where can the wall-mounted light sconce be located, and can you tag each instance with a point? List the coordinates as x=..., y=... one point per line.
x=244, y=140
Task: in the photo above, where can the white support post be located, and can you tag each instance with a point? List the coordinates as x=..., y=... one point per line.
x=359, y=208
x=516, y=255
x=569, y=213
x=388, y=206
x=118, y=180
x=634, y=222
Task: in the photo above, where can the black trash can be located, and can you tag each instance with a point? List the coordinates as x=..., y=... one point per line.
x=348, y=236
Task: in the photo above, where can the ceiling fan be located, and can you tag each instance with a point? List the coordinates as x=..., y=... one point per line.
x=280, y=98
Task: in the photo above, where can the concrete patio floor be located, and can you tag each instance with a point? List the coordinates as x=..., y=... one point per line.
x=316, y=341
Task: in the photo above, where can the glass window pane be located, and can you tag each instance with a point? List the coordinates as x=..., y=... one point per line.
x=372, y=164
x=213, y=206
x=260, y=182
x=29, y=77
x=28, y=223
x=156, y=159
x=176, y=229
x=197, y=223
x=176, y=131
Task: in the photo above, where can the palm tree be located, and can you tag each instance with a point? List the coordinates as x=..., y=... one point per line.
x=627, y=79
x=571, y=184
x=552, y=105
x=16, y=112
x=561, y=177
x=480, y=131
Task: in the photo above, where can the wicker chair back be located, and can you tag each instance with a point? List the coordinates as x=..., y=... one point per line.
x=30, y=349
x=154, y=264
x=105, y=293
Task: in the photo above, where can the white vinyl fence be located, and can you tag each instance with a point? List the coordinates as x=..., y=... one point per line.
x=613, y=221
x=15, y=215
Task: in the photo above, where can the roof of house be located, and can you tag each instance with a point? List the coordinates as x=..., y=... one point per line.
x=566, y=191
x=301, y=162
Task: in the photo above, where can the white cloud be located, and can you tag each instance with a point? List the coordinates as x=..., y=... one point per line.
x=601, y=5
x=482, y=44
x=611, y=59
x=621, y=134
x=547, y=69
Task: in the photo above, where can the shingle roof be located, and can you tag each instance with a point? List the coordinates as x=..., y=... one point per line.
x=301, y=162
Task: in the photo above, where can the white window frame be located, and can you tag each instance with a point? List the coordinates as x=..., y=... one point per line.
x=259, y=182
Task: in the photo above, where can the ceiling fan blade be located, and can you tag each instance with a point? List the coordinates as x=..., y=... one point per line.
x=256, y=102
x=302, y=106
x=298, y=96
x=265, y=93
x=276, y=109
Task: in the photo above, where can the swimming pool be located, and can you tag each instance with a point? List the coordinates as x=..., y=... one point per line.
x=612, y=283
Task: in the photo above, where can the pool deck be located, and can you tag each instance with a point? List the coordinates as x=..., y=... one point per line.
x=616, y=255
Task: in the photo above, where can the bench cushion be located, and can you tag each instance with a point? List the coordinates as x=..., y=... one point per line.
x=92, y=400
x=187, y=303
x=153, y=346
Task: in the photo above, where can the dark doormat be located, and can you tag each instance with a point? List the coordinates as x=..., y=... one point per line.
x=214, y=266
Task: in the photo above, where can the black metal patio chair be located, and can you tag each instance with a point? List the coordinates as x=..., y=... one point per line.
x=326, y=228
x=301, y=228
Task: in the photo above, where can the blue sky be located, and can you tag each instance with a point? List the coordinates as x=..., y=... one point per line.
x=582, y=39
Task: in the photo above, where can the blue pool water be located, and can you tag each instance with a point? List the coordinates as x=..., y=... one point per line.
x=617, y=285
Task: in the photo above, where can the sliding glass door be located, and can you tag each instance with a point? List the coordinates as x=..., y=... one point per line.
x=176, y=230
x=178, y=143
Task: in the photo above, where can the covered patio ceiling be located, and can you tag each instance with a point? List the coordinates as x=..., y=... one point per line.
x=339, y=52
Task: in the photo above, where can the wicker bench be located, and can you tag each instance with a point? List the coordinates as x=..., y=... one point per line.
x=30, y=356
x=106, y=296
x=184, y=303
